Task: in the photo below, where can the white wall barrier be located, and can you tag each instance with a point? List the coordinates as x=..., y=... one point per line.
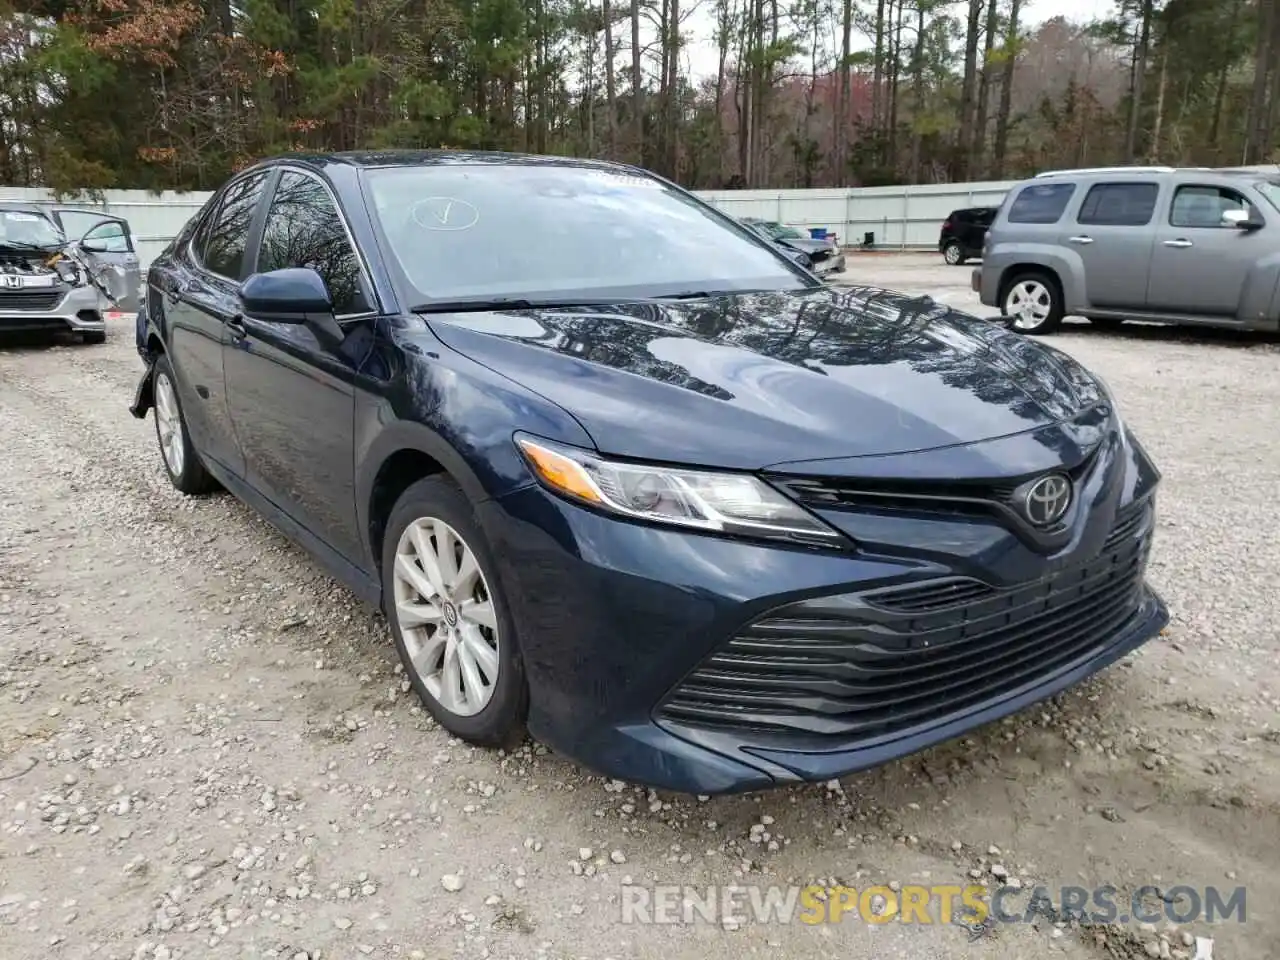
x=900, y=217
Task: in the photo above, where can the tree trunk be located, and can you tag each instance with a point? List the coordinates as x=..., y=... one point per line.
x=610, y=89
x=1138, y=81
x=722, y=49
x=673, y=94
x=1224, y=68
x=637, y=97
x=877, y=71
x=986, y=77
x=968, y=84
x=839, y=148
x=1153, y=152
x=917, y=93
x=1006, y=90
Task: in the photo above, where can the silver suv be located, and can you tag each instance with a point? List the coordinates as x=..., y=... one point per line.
x=1194, y=246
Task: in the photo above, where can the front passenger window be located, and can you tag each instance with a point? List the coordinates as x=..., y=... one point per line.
x=1203, y=207
x=305, y=229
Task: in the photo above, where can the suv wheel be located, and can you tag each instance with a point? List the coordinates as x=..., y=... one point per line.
x=449, y=618
x=1032, y=304
x=953, y=253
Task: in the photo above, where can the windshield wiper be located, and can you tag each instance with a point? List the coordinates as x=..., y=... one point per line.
x=708, y=294
x=518, y=303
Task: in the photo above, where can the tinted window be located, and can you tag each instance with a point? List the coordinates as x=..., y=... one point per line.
x=1196, y=206
x=491, y=230
x=1119, y=204
x=1041, y=202
x=222, y=238
x=304, y=229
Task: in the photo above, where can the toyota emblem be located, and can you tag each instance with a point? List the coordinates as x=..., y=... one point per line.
x=1047, y=500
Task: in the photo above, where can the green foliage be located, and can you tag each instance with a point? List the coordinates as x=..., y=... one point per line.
x=178, y=93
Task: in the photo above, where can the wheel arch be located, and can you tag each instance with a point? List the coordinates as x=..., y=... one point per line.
x=402, y=454
x=1014, y=271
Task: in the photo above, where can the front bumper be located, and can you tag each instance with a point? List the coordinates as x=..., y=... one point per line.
x=78, y=309
x=705, y=665
x=833, y=264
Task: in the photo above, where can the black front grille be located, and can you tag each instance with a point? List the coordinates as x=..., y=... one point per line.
x=44, y=300
x=858, y=667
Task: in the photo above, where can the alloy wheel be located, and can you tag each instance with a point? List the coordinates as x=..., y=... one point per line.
x=169, y=425
x=1029, y=303
x=446, y=616
x=951, y=254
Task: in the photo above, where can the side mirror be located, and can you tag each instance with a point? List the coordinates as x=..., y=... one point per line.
x=1242, y=219
x=292, y=295
x=95, y=246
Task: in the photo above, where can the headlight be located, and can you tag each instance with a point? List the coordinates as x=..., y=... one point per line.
x=734, y=503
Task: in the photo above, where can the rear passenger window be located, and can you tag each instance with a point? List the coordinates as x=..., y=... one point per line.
x=1195, y=206
x=1041, y=202
x=1119, y=204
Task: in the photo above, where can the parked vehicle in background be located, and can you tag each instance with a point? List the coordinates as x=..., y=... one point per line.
x=51, y=282
x=1180, y=246
x=825, y=255
x=113, y=248
x=963, y=233
x=696, y=518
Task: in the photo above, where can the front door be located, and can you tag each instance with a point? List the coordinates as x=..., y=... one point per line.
x=199, y=295
x=1201, y=265
x=116, y=259
x=1112, y=237
x=292, y=399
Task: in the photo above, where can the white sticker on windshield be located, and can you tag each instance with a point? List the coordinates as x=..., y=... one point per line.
x=24, y=217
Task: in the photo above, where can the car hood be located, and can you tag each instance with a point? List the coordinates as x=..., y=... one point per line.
x=754, y=380
x=808, y=245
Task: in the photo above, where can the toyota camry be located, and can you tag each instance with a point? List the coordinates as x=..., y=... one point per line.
x=624, y=476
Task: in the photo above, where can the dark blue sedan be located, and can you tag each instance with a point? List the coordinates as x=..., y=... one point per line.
x=621, y=474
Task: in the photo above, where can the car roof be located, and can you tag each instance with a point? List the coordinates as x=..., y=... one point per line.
x=425, y=158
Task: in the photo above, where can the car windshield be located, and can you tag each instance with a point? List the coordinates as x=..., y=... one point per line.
x=26, y=229
x=1270, y=189
x=534, y=230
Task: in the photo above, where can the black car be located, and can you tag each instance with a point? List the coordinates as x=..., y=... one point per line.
x=963, y=233
x=650, y=490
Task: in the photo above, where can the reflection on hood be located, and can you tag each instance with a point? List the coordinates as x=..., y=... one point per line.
x=791, y=375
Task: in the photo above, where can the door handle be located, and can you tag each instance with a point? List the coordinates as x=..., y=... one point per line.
x=235, y=327
x=1081, y=240
x=1180, y=243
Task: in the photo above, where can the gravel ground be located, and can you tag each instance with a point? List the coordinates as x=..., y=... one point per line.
x=207, y=748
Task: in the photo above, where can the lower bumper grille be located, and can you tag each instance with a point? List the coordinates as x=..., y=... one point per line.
x=863, y=666
x=42, y=301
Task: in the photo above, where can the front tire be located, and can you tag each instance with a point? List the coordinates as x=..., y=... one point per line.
x=953, y=254
x=1032, y=304
x=181, y=461
x=449, y=616
x=93, y=336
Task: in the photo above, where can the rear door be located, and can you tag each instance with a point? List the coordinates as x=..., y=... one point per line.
x=1201, y=265
x=197, y=303
x=1112, y=234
